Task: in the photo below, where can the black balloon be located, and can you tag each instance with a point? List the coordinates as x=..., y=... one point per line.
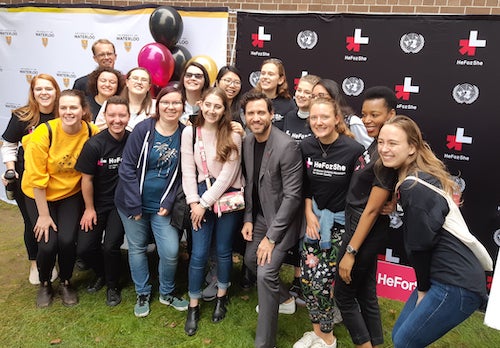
x=165, y=25
x=181, y=55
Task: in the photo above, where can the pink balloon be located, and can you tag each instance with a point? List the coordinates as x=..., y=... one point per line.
x=158, y=60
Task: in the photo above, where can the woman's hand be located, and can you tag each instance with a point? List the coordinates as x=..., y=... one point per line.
x=88, y=220
x=237, y=128
x=197, y=213
x=312, y=225
x=42, y=226
x=345, y=267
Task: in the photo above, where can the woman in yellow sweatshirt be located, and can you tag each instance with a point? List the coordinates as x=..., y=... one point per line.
x=52, y=187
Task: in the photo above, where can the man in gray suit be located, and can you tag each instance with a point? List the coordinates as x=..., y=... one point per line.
x=274, y=210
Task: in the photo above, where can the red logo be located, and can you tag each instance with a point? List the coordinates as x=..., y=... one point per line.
x=259, y=38
x=403, y=91
x=354, y=42
x=468, y=46
x=454, y=142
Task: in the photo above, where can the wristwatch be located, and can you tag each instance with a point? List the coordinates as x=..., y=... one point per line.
x=271, y=241
x=351, y=250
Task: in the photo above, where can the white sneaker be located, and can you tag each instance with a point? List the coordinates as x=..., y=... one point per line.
x=321, y=344
x=307, y=340
x=55, y=274
x=34, y=278
x=284, y=308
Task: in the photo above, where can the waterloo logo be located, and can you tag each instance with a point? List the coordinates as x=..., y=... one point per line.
x=45, y=35
x=127, y=40
x=455, y=141
x=66, y=77
x=260, y=37
x=468, y=46
x=354, y=42
x=403, y=91
x=84, y=38
x=8, y=34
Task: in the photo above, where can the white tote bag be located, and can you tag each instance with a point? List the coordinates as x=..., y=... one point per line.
x=455, y=224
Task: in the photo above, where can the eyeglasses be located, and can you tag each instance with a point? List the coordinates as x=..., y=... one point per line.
x=230, y=82
x=191, y=75
x=105, y=54
x=138, y=79
x=167, y=104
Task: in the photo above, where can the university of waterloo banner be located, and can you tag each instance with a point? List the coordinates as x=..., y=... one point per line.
x=57, y=40
x=443, y=69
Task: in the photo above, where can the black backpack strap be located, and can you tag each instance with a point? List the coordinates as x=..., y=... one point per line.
x=50, y=133
x=89, y=128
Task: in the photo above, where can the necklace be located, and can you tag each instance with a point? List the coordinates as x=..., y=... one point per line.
x=325, y=152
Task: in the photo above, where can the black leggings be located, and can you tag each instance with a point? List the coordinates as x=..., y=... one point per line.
x=29, y=235
x=66, y=214
x=103, y=256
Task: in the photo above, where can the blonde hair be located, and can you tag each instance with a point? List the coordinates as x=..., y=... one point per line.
x=30, y=113
x=282, y=90
x=423, y=159
x=340, y=127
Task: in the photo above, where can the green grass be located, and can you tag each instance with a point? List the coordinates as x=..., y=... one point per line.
x=92, y=324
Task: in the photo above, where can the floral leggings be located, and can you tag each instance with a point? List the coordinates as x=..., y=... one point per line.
x=317, y=278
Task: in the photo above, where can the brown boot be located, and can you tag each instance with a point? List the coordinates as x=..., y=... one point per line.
x=45, y=295
x=68, y=294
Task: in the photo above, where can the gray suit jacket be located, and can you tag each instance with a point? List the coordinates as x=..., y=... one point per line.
x=280, y=187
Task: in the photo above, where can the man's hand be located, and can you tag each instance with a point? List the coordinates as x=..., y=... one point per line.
x=247, y=231
x=264, y=252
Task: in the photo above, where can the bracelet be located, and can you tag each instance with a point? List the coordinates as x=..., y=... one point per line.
x=204, y=204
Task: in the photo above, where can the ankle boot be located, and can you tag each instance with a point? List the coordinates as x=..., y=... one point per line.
x=220, y=308
x=193, y=316
x=69, y=296
x=45, y=295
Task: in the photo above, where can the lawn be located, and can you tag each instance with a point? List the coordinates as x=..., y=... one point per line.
x=92, y=324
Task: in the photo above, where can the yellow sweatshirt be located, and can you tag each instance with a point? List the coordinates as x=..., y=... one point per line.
x=52, y=168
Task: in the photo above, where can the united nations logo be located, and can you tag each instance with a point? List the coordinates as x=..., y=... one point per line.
x=412, y=43
x=307, y=39
x=496, y=237
x=254, y=78
x=465, y=93
x=353, y=86
x=459, y=181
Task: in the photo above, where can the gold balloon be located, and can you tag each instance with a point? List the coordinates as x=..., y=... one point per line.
x=209, y=64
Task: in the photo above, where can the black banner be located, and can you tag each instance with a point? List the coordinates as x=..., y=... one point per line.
x=443, y=70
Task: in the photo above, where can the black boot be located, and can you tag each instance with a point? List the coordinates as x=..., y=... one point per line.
x=220, y=308
x=193, y=316
x=45, y=295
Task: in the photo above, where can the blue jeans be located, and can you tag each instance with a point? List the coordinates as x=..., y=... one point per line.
x=326, y=219
x=167, y=244
x=223, y=229
x=443, y=307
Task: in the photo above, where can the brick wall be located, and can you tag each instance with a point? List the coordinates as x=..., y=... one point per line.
x=474, y=7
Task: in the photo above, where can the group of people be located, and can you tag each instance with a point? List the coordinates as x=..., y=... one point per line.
x=318, y=184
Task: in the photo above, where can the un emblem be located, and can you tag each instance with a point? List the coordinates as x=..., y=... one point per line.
x=465, y=93
x=307, y=39
x=254, y=78
x=353, y=86
x=412, y=43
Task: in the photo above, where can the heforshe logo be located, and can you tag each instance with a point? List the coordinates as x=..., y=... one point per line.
x=259, y=37
x=468, y=46
x=403, y=91
x=354, y=42
x=455, y=141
